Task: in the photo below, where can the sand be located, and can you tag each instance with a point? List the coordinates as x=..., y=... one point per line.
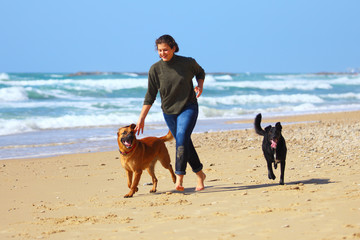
x=80, y=196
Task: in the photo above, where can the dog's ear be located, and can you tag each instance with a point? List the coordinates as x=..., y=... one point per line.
x=278, y=125
x=132, y=126
x=267, y=129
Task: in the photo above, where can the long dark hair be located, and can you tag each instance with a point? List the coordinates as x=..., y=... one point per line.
x=169, y=40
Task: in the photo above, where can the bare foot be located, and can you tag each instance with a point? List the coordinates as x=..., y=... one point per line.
x=179, y=183
x=200, y=182
x=180, y=188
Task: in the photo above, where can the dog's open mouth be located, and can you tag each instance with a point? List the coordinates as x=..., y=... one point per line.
x=273, y=143
x=127, y=142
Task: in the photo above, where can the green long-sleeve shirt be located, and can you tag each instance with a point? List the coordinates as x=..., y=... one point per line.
x=173, y=79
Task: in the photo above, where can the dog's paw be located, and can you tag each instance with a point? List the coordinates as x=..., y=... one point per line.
x=272, y=176
x=153, y=191
x=129, y=195
x=281, y=182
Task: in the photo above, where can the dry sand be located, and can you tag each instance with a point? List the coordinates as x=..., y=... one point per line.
x=80, y=196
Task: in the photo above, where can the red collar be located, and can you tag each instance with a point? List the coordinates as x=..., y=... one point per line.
x=125, y=153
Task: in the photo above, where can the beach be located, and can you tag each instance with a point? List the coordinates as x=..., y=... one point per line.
x=80, y=196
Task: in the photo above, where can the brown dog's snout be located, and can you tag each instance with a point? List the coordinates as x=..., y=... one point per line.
x=128, y=139
x=126, y=136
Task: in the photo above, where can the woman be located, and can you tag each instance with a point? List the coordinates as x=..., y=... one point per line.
x=172, y=76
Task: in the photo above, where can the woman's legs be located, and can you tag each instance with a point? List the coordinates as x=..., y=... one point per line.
x=181, y=126
x=171, y=121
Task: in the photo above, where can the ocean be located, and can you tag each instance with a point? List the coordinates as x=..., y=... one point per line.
x=47, y=114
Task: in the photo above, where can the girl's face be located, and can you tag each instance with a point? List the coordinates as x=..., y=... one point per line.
x=165, y=52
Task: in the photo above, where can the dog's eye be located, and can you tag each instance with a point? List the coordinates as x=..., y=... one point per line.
x=124, y=133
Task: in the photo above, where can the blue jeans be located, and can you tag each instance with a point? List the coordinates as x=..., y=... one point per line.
x=181, y=126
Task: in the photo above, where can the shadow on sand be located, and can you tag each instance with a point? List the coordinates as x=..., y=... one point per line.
x=239, y=187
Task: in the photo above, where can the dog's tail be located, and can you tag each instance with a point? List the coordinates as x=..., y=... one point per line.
x=167, y=137
x=257, y=126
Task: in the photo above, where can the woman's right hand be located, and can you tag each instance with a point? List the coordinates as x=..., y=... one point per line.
x=141, y=122
x=140, y=126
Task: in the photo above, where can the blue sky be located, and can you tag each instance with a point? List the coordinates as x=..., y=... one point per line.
x=288, y=36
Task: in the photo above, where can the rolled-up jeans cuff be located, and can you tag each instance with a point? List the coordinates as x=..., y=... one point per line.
x=198, y=169
x=180, y=172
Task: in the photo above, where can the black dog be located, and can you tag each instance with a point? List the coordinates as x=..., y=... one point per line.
x=273, y=144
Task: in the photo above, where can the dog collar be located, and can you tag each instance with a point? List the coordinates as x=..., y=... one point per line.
x=125, y=153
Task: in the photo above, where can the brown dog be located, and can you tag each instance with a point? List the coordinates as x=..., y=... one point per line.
x=138, y=155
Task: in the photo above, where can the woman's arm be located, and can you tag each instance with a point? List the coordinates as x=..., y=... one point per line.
x=141, y=122
x=199, y=88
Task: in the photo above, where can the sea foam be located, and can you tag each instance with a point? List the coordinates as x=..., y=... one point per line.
x=256, y=98
x=4, y=76
x=13, y=94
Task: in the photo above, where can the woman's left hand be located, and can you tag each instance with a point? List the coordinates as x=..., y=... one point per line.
x=198, y=91
x=199, y=88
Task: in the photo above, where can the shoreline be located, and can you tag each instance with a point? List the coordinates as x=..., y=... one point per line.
x=56, y=142
x=80, y=196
